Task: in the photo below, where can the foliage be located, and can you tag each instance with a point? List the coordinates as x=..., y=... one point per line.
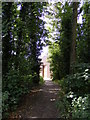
x=75, y=93
x=59, y=38
x=55, y=60
x=13, y=88
x=72, y=106
x=81, y=107
x=41, y=80
x=63, y=105
x=62, y=45
x=83, y=49
x=22, y=41
x=78, y=82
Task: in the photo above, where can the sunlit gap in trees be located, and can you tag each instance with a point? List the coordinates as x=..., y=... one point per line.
x=19, y=7
x=79, y=18
x=48, y=22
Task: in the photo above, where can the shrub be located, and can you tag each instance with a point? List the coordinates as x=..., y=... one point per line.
x=81, y=107
x=41, y=80
x=14, y=86
x=76, y=96
x=78, y=82
x=11, y=90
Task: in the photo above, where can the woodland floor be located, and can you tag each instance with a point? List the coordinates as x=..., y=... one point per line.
x=39, y=103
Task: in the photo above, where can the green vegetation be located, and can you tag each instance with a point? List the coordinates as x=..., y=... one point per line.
x=75, y=94
x=41, y=80
x=23, y=36
x=70, y=57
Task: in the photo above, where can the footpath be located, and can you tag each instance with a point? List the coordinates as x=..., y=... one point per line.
x=40, y=102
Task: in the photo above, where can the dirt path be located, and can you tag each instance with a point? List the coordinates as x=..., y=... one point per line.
x=40, y=103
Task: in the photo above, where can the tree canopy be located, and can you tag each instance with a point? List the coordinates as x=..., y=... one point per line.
x=22, y=41
x=26, y=28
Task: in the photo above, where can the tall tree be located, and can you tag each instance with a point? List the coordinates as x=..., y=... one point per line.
x=74, y=34
x=6, y=35
x=83, y=35
x=86, y=29
x=22, y=41
x=60, y=28
x=35, y=27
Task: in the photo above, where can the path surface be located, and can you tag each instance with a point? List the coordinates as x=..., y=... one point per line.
x=40, y=103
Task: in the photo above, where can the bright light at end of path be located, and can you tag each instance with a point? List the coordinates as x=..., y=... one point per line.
x=44, y=51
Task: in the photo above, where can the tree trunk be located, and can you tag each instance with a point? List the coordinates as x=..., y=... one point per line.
x=73, y=44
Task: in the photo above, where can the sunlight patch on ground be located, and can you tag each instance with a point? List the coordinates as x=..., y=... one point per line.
x=33, y=117
x=56, y=89
x=37, y=90
x=53, y=91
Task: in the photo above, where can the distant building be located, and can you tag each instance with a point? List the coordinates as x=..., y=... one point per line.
x=45, y=68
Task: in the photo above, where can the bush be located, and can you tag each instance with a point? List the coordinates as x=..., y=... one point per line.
x=78, y=82
x=11, y=90
x=27, y=83
x=5, y=97
x=41, y=80
x=14, y=86
x=64, y=106
x=81, y=107
x=75, y=88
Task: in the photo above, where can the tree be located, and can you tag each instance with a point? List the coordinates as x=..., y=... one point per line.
x=60, y=29
x=83, y=29
x=73, y=43
x=86, y=30
x=35, y=28
x=22, y=36
x=6, y=35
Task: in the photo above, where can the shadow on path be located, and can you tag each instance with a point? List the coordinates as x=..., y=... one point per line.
x=40, y=102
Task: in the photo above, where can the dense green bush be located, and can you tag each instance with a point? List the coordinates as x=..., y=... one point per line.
x=73, y=106
x=78, y=82
x=14, y=86
x=75, y=93
x=41, y=80
x=81, y=107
